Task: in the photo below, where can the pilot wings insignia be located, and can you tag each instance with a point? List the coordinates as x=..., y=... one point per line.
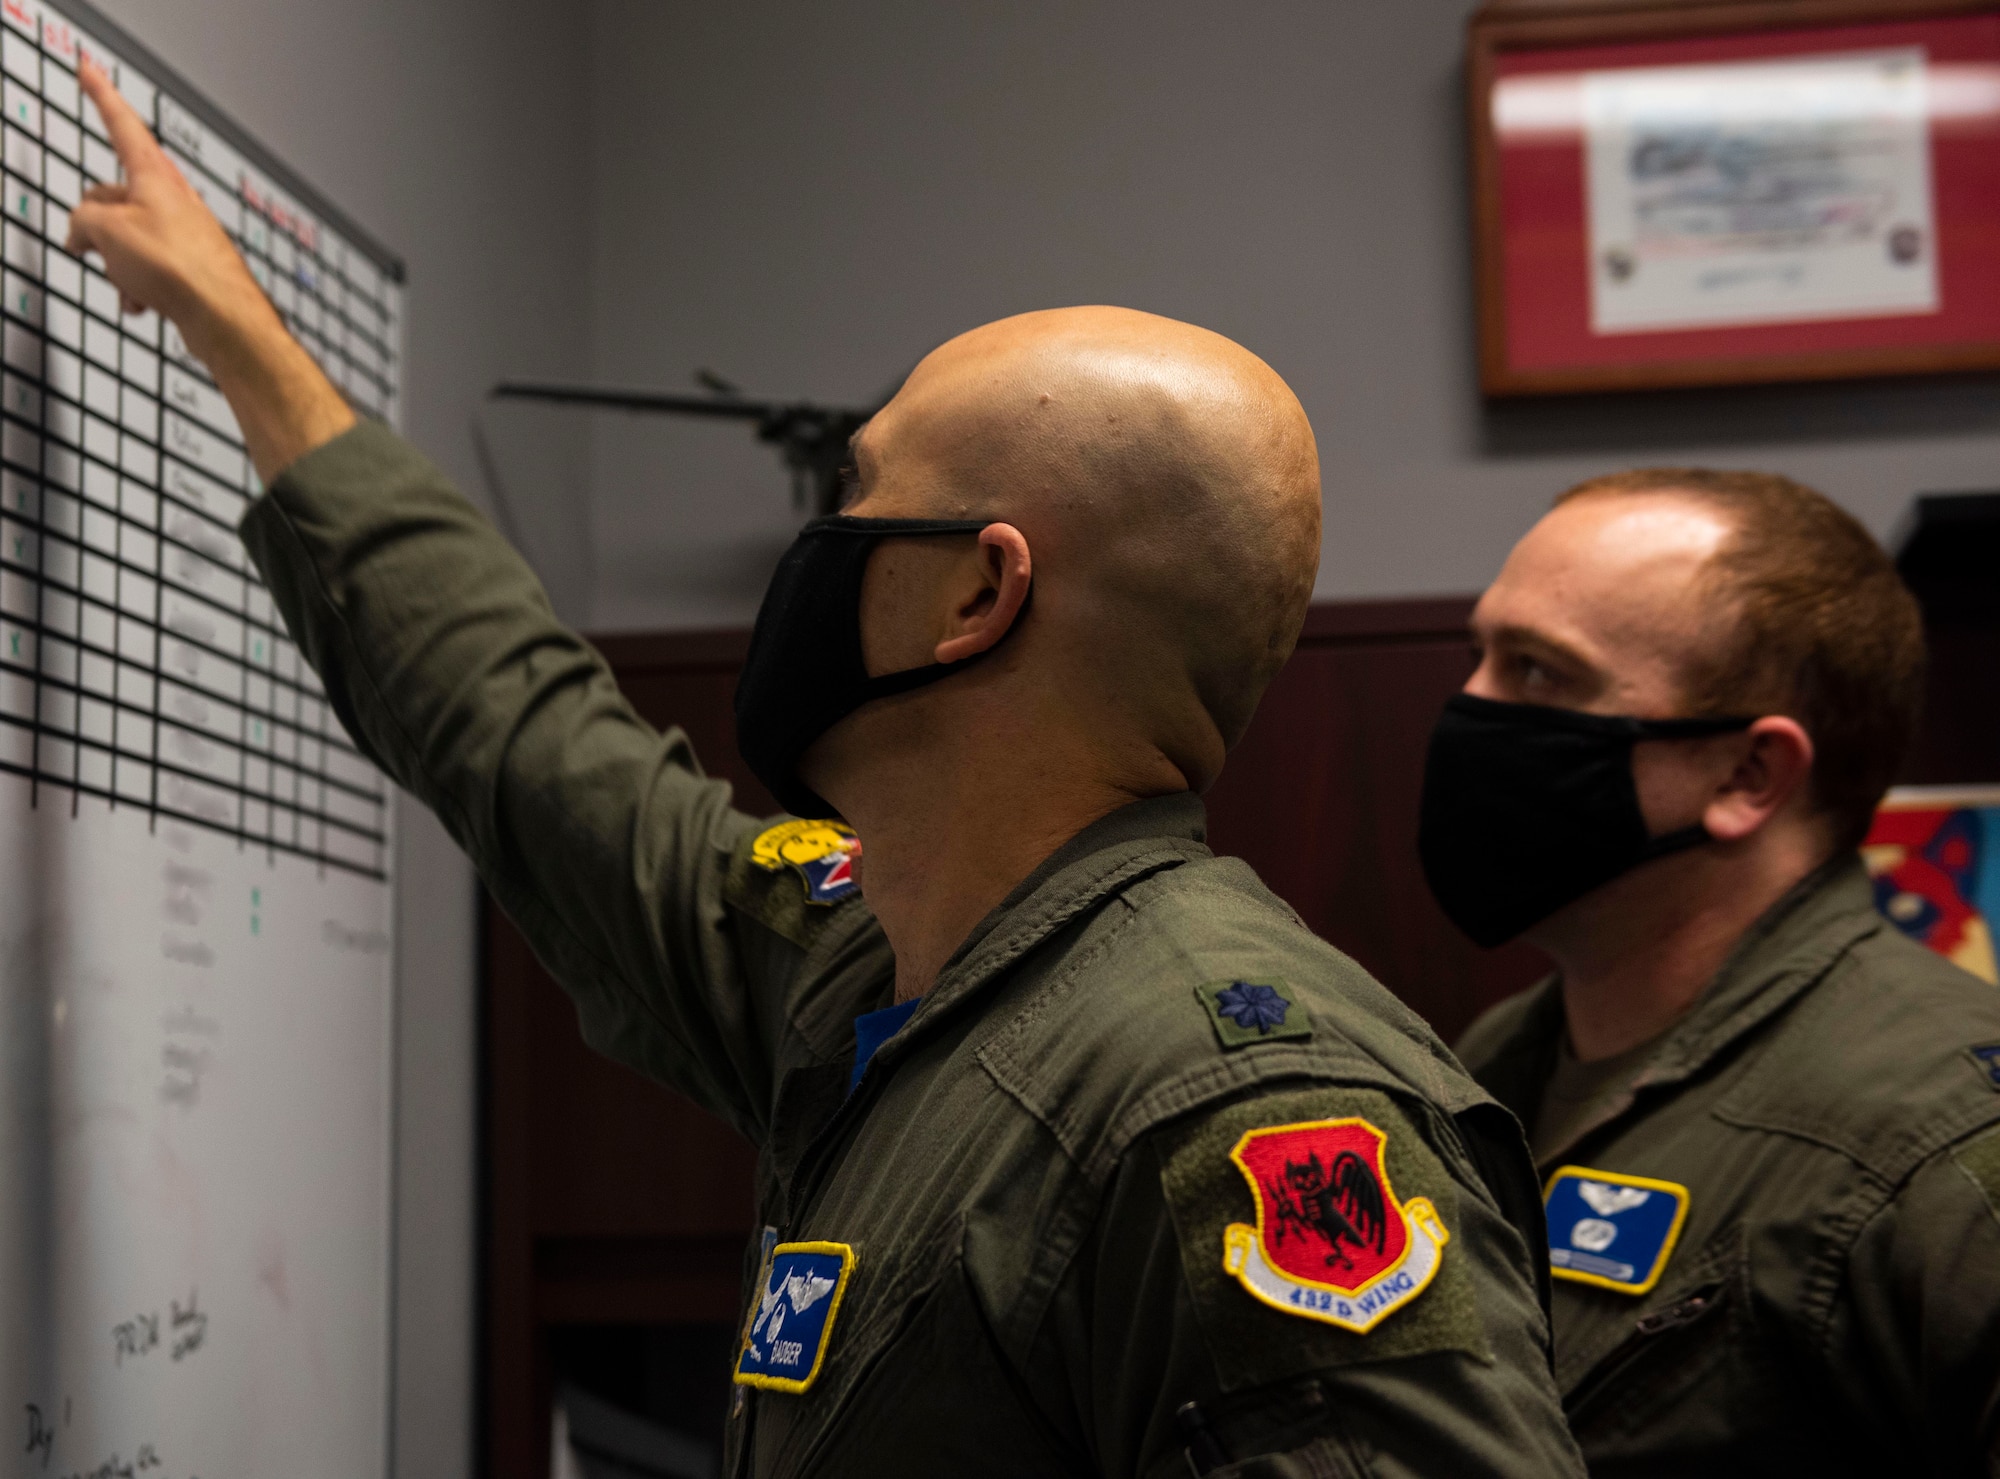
x=787, y=1342
x=1607, y=1200
x=807, y=1289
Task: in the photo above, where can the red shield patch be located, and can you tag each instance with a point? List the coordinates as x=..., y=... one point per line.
x=1331, y=1241
x=1323, y=1202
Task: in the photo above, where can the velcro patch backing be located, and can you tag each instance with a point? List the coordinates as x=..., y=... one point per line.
x=1256, y=1338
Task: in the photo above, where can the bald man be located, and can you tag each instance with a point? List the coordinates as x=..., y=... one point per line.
x=1078, y=1154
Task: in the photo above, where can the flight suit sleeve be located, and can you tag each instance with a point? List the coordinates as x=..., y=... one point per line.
x=1924, y=1343
x=1454, y=1379
x=597, y=834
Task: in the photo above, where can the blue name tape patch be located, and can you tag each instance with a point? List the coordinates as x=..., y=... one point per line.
x=793, y=1323
x=1612, y=1230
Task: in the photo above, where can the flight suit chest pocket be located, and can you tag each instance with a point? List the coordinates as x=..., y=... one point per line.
x=917, y=1361
x=1687, y=1383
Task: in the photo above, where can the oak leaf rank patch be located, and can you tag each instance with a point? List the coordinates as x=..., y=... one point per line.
x=1247, y=1012
x=1986, y=1058
x=1331, y=1241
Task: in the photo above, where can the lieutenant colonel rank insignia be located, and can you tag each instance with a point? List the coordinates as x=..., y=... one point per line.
x=822, y=852
x=1614, y=1231
x=1331, y=1242
x=1252, y=1011
x=789, y=1331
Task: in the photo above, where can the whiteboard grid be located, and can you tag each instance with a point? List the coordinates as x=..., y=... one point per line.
x=197, y=1107
x=141, y=662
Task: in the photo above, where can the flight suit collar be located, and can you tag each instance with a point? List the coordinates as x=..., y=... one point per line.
x=1142, y=838
x=1780, y=957
x=1159, y=832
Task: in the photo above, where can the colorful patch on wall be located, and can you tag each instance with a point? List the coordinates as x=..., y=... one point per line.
x=1934, y=856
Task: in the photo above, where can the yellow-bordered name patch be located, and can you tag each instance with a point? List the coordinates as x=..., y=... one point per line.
x=1610, y=1229
x=786, y=1341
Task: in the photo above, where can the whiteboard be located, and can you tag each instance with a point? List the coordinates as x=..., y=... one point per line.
x=195, y=910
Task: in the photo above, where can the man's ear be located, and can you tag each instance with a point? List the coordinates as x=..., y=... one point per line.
x=1774, y=767
x=988, y=612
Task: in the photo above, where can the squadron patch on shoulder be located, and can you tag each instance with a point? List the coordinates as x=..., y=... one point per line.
x=1253, y=1011
x=1225, y=1174
x=1331, y=1242
x=822, y=853
x=788, y=1334
x=1612, y=1230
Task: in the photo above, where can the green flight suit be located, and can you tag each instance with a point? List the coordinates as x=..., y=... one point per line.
x=1032, y=1182
x=1832, y=1305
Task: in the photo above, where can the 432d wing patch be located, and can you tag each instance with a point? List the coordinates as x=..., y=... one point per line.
x=786, y=1341
x=1314, y=1228
x=1612, y=1230
x=823, y=854
x=1331, y=1242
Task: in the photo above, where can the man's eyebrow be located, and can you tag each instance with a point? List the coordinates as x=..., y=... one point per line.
x=1511, y=634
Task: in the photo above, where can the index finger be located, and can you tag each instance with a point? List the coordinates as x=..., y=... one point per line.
x=137, y=149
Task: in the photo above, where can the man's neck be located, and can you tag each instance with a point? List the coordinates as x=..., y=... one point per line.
x=958, y=838
x=1636, y=954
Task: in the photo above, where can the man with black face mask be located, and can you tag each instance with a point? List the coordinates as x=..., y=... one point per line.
x=1768, y=1121
x=1079, y=1155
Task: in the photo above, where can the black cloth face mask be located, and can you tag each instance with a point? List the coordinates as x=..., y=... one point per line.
x=804, y=672
x=1527, y=808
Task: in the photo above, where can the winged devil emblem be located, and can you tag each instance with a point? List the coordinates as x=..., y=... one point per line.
x=1331, y=1240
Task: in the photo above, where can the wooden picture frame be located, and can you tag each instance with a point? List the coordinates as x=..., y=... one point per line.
x=1859, y=240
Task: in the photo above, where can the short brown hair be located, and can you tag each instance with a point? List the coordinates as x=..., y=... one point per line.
x=1825, y=631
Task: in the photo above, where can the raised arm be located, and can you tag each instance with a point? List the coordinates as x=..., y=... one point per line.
x=440, y=653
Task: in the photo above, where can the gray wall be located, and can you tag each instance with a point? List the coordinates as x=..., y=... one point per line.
x=809, y=197
x=450, y=130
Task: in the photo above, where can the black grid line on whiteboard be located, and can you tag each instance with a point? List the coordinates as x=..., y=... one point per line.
x=141, y=661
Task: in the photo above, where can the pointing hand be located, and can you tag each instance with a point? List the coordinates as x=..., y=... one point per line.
x=163, y=249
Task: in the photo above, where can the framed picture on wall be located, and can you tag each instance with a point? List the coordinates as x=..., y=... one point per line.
x=1670, y=194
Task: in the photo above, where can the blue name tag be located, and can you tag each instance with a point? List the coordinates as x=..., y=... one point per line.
x=789, y=1330
x=1612, y=1230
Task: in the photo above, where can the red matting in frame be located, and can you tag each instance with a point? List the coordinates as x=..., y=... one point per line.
x=1544, y=276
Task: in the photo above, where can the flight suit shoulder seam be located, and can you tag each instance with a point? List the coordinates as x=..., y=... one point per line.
x=1216, y=1085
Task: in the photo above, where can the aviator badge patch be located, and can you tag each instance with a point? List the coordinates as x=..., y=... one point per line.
x=822, y=852
x=793, y=1323
x=1331, y=1242
x=1611, y=1230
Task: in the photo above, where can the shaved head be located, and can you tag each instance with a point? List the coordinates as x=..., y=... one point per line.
x=1167, y=483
